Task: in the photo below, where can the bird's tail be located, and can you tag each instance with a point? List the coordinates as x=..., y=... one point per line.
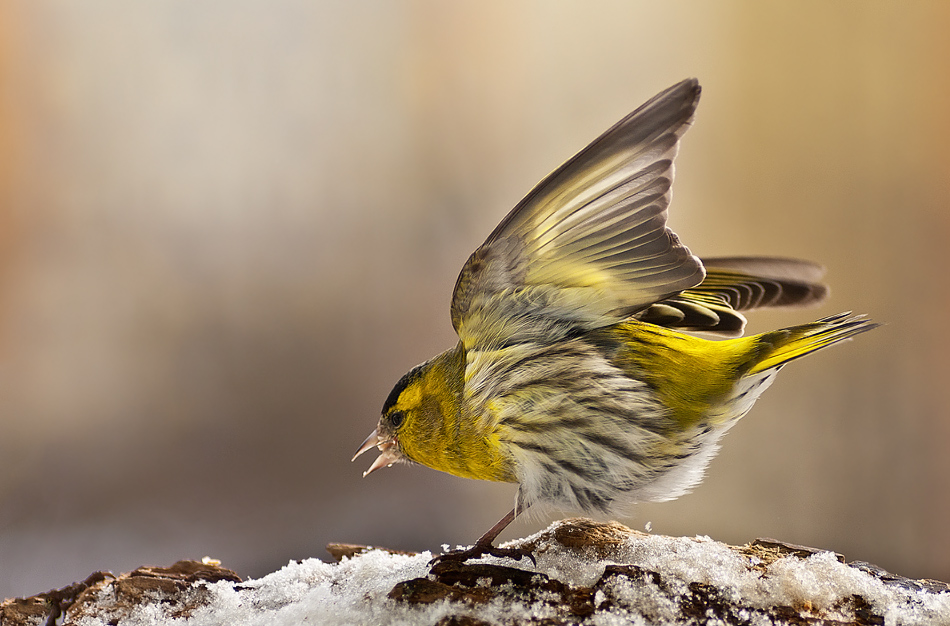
x=782, y=346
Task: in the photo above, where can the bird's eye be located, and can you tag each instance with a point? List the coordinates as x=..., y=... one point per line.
x=396, y=418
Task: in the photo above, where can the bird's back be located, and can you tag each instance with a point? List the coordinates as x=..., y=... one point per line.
x=712, y=383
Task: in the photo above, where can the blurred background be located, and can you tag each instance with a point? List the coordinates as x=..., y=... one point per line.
x=227, y=228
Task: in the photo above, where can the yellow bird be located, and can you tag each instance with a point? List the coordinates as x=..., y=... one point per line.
x=571, y=376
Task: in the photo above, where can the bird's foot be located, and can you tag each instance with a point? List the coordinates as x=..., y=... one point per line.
x=480, y=550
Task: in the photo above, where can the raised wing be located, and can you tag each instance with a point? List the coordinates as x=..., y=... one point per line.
x=588, y=246
x=736, y=284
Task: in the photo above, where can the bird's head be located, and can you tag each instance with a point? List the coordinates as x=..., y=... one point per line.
x=422, y=421
x=401, y=422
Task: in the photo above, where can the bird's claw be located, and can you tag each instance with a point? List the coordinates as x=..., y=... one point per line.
x=480, y=550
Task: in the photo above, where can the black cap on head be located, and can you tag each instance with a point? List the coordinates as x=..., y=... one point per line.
x=410, y=376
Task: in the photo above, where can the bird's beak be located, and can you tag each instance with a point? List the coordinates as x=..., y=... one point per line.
x=387, y=452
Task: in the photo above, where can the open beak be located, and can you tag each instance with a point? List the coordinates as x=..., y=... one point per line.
x=387, y=451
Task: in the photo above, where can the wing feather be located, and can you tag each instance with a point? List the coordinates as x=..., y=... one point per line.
x=588, y=246
x=735, y=284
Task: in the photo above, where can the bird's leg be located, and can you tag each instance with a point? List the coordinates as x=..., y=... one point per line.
x=484, y=544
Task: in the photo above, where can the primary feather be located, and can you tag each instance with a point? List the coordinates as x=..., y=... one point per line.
x=735, y=284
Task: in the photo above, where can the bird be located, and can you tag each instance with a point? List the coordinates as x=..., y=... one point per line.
x=580, y=373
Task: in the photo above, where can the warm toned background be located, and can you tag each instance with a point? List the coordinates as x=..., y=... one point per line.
x=226, y=228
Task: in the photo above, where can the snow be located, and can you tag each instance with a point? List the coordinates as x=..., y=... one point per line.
x=355, y=590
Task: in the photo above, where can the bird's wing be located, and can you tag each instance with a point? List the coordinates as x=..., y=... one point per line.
x=588, y=246
x=736, y=284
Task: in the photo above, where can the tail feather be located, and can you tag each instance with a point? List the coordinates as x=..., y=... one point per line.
x=797, y=341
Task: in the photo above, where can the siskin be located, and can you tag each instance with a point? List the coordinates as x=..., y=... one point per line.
x=571, y=376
